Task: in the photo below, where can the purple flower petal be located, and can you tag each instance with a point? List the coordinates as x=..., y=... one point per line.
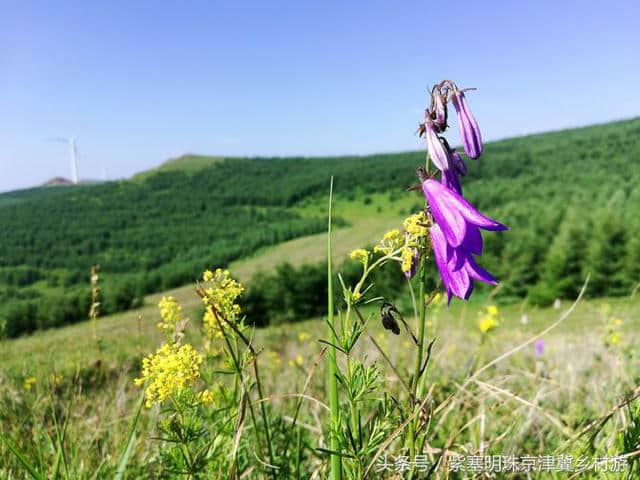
x=473, y=240
x=476, y=272
x=453, y=213
x=458, y=163
x=450, y=180
x=437, y=151
x=469, y=131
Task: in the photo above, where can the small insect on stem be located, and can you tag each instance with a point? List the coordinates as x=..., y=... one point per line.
x=390, y=317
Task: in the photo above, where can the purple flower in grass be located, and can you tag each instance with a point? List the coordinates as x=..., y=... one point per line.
x=539, y=345
x=457, y=267
x=469, y=131
x=459, y=220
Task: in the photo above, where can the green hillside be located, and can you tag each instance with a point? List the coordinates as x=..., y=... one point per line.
x=185, y=163
x=571, y=199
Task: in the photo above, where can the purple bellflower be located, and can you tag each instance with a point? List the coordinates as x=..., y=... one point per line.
x=539, y=346
x=437, y=150
x=457, y=267
x=459, y=220
x=469, y=131
x=455, y=236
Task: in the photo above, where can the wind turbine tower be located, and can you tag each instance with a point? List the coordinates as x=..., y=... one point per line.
x=73, y=152
x=73, y=155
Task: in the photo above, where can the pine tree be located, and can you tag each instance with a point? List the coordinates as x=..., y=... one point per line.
x=606, y=253
x=562, y=270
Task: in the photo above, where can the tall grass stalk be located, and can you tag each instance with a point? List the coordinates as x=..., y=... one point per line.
x=336, y=461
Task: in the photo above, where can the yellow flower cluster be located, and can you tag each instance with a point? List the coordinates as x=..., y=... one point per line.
x=29, y=383
x=205, y=397
x=361, y=255
x=489, y=319
x=171, y=314
x=416, y=225
x=613, y=333
x=169, y=371
x=391, y=241
x=408, y=243
x=219, y=298
x=210, y=324
x=407, y=256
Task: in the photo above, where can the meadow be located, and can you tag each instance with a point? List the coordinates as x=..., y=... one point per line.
x=570, y=399
x=156, y=231
x=333, y=357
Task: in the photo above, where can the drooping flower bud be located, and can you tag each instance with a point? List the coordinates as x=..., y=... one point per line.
x=469, y=131
x=458, y=163
x=437, y=150
x=439, y=109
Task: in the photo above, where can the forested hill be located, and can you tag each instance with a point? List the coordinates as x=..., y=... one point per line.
x=571, y=198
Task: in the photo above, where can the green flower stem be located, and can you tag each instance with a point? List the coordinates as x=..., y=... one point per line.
x=263, y=409
x=353, y=414
x=336, y=461
x=236, y=364
x=419, y=353
x=382, y=352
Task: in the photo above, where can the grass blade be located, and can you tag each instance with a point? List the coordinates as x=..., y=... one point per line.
x=124, y=458
x=21, y=458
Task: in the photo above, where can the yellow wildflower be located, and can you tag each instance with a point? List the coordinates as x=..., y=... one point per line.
x=492, y=310
x=303, y=336
x=617, y=322
x=219, y=297
x=171, y=314
x=56, y=380
x=391, y=241
x=299, y=361
x=274, y=357
x=488, y=323
x=205, y=397
x=613, y=338
x=211, y=325
x=169, y=371
x=415, y=225
x=29, y=383
x=361, y=255
x=407, y=257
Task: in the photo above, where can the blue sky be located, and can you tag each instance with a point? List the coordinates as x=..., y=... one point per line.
x=140, y=82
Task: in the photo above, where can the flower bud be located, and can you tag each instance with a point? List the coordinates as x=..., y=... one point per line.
x=469, y=131
x=437, y=150
x=439, y=109
x=458, y=163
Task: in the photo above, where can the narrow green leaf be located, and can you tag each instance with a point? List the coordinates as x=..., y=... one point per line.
x=124, y=458
x=21, y=458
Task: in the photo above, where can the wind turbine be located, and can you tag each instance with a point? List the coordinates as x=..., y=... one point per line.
x=73, y=155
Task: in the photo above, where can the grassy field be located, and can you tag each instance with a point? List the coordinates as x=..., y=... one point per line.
x=42, y=349
x=526, y=403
